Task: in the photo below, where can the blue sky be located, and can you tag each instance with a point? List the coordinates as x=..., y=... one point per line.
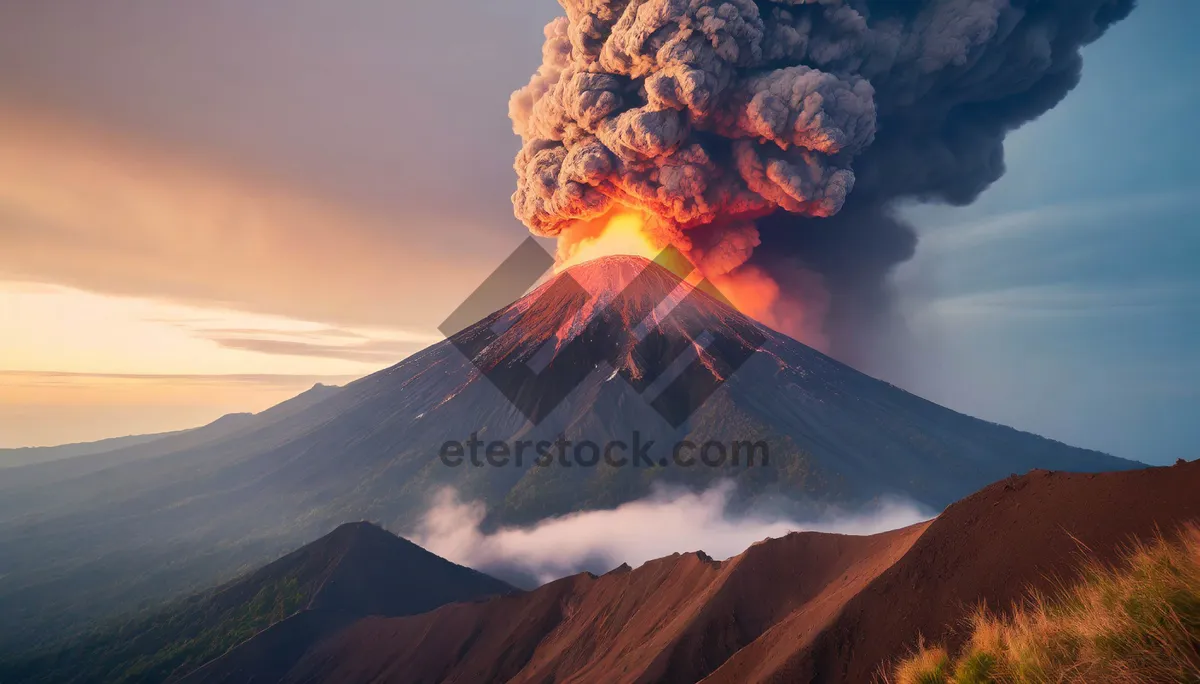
x=1067, y=299
x=248, y=199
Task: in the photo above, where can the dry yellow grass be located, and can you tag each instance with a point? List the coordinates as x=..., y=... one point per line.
x=1138, y=623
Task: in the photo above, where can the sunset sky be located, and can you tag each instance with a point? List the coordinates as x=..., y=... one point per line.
x=208, y=207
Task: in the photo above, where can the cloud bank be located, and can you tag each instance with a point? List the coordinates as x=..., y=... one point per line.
x=665, y=523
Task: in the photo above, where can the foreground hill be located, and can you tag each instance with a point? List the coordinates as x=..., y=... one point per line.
x=1136, y=622
x=356, y=571
x=77, y=546
x=807, y=607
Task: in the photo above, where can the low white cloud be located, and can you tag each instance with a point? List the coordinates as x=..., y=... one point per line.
x=664, y=523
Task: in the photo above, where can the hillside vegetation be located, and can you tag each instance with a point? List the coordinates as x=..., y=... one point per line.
x=1136, y=623
x=359, y=569
x=178, y=639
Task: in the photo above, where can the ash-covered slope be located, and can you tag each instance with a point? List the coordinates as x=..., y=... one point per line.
x=835, y=437
x=807, y=607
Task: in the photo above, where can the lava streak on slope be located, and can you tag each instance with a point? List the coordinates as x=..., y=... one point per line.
x=642, y=318
x=748, y=289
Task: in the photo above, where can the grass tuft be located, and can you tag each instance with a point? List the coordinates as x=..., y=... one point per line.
x=926, y=666
x=1138, y=623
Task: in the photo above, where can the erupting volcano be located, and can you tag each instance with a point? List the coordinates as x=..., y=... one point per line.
x=836, y=440
x=767, y=144
x=833, y=440
x=598, y=352
x=771, y=141
x=623, y=235
x=748, y=289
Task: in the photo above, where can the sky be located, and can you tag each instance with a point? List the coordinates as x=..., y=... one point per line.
x=208, y=207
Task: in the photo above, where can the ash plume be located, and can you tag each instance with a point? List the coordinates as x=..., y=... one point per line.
x=783, y=133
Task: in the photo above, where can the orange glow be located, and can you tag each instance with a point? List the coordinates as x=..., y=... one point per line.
x=748, y=289
x=623, y=234
x=757, y=295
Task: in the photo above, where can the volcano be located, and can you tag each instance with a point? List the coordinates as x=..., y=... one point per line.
x=628, y=351
x=632, y=316
x=634, y=348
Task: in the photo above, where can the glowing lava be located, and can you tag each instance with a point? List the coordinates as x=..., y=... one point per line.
x=623, y=234
x=746, y=288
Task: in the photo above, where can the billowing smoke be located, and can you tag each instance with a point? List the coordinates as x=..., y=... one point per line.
x=667, y=522
x=786, y=131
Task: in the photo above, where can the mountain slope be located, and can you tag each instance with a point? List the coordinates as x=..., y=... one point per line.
x=22, y=456
x=836, y=438
x=807, y=607
x=59, y=568
x=1024, y=532
x=673, y=619
x=356, y=571
x=35, y=488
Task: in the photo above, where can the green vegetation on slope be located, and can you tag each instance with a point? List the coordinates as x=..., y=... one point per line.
x=359, y=569
x=1138, y=623
x=174, y=641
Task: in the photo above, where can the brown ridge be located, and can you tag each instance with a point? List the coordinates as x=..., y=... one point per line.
x=1023, y=533
x=674, y=619
x=808, y=607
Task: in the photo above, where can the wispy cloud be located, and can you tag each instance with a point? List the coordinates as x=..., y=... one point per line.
x=18, y=378
x=366, y=346
x=1110, y=213
x=1070, y=300
x=318, y=333
x=370, y=351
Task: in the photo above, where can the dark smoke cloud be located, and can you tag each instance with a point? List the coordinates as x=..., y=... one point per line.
x=797, y=123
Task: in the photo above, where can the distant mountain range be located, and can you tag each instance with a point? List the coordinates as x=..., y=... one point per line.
x=85, y=537
x=23, y=456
